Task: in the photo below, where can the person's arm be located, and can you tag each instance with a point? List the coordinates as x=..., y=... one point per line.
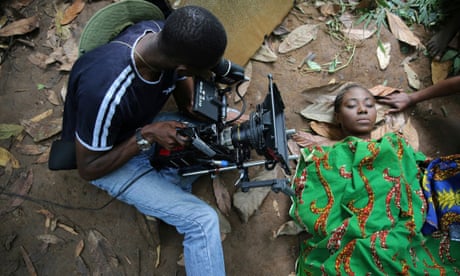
x=400, y=101
x=95, y=164
x=183, y=95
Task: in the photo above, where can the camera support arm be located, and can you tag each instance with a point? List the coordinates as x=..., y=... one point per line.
x=278, y=185
x=243, y=182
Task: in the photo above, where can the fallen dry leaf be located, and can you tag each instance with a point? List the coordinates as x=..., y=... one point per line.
x=56, y=56
x=52, y=97
x=44, y=157
x=398, y=122
x=223, y=199
x=246, y=203
x=46, y=213
x=329, y=9
x=293, y=147
x=321, y=110
x=64, y=91
x=20, y=187
x=70, y=48
x=42, y=130
x=41, y=116
x=72, y=11
x=48, y=217
x=224, y=225
x=67, y=229
x=50, y=239
x=38, y=59
x=105, y=258
x=299, y=37
x=180, y=260
x=280, y=30
x=327, y=130
x=440, y=70
x=18, y=4
x=358, y=34
x=265, y=54
x=158, y=258
x=412, y=76
x=79, y=248
x=400, y=30
x=31, y=149
x=384, y=56
x=19, y=27
x=305, y=139
x=381, y=90
x=276, y=207
x=7, y=157
x=347, y=20
x=288, y=228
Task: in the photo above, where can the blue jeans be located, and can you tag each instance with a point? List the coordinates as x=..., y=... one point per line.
x=167, y=196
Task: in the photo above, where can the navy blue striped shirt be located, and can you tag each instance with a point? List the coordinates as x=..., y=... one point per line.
x=107, y=99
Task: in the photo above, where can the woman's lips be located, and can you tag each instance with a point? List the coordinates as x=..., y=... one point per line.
x=363, y=120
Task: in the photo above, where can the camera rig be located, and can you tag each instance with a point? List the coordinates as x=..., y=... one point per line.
x=220, y=145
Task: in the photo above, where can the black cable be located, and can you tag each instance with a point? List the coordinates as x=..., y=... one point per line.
x=243, y=108
x=64, y=206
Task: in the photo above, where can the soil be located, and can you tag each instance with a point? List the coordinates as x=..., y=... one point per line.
x=250, y=248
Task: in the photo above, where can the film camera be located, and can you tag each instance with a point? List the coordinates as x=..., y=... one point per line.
x=221, y=145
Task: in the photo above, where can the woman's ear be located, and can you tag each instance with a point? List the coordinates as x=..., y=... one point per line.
x=337, y=118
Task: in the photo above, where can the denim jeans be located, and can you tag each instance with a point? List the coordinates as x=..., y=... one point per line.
x=167, y=196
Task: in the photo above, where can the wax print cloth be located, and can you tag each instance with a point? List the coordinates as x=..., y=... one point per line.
x=362, y=203
x=441, y=187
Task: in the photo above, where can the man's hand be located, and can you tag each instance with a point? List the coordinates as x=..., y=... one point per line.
x=165, y=134
x=397, y=101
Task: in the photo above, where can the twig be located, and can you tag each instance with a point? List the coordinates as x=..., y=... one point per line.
x=28, y=261
x=338, y=68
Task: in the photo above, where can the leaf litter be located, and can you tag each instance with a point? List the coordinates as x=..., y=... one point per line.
x=59, y=56
x=299, y=37
x=19, y=27
x=20, y=187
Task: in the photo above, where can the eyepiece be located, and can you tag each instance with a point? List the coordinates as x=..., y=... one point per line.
x=227, y=72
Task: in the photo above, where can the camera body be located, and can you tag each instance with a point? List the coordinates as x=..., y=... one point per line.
x=220, y=145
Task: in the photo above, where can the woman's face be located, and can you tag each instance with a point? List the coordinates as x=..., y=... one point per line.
x=357, y=113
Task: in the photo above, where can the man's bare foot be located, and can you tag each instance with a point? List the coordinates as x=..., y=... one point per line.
x=437, y=45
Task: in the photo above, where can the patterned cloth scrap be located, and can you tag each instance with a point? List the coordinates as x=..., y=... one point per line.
x=362, y=203
x=441, y=187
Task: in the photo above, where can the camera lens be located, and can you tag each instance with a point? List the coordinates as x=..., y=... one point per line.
x=249, y=133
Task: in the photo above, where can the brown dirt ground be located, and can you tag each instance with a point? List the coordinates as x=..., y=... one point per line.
x=250, y=248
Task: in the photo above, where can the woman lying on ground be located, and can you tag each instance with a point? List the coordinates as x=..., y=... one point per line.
x=362, y=202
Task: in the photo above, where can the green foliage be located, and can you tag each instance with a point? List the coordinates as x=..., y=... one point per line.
x=425, y=12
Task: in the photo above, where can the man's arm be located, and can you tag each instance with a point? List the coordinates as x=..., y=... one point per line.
x=93, y=164
x=400, y=101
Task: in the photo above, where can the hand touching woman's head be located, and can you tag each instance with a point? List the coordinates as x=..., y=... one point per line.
x=355, y=111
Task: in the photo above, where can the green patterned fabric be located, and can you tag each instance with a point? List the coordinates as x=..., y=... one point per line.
x=362, y=203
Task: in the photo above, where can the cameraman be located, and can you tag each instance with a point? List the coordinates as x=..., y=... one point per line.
x=115, y=94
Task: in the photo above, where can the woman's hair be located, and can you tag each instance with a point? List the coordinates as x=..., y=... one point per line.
x=194, y=36
x=339, y=98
